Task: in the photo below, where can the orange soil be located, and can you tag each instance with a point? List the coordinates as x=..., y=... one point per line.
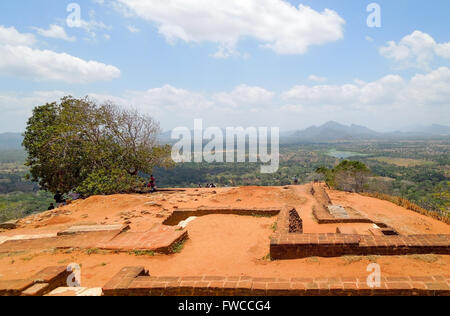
x=224, y=245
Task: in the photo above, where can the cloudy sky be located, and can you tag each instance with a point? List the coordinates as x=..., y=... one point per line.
x=289, y=64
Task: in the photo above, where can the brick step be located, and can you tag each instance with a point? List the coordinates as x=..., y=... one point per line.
x=41, y=283
x=135, y=281
x=74, y=230
x=77, y=241
x=75, y=291
x=159, y=239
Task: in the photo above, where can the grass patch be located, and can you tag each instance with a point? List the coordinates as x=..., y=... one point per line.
x=373, y=259
x=351, y=259
x=12, y=254
x=96, y=251
x=312, y=260
x=141, y=253
x=92, y=251
x=29, y=258
x=178, y=247
x=51, y=251
x=275, y=226
x=267, y=257
x=426, y=258
x=262, y=215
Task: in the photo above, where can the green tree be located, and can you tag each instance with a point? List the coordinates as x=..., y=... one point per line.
x=72, y=141
x=109, y=182
x=347, y=176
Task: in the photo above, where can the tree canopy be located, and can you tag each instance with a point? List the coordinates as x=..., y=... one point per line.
x=76, y=144
x=347, y=176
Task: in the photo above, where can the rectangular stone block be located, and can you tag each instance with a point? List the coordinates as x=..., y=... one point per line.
x=9, y=225
x=37, y=289
x=93, y=229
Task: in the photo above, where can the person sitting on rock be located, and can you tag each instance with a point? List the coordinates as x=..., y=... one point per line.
x=60, y=201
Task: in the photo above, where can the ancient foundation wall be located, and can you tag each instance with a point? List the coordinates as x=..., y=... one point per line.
x=182, y=214
x=135, y=281
x=292, y=246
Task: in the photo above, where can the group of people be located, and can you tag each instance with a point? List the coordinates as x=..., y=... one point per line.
x=208, y=186
x=59, y=199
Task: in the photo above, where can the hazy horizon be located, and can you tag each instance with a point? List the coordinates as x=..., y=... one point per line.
x=411, y=128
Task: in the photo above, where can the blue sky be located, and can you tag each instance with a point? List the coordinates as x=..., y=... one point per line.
x=280, y=63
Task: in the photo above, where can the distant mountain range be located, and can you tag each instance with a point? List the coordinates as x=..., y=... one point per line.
x=334, y=131
x=331, y=131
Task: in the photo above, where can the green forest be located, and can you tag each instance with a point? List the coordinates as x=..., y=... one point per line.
x=417, y=170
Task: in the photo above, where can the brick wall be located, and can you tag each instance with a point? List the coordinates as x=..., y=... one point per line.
x=285, y=246
x=131, y=282
x=320, y=195
x=180, y=215
x=295, y=222
x=289, y=222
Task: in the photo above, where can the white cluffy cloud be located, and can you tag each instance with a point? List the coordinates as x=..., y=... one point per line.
x=10, y=36
x=244, y=96
x=175, y=100
x=174, y=106
x=55, y=31
x=424, y=98
x=416, y=50
x=315, y=78
x=277, y=24
x=16, y=108
x=19, y=58
x=392, y=91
